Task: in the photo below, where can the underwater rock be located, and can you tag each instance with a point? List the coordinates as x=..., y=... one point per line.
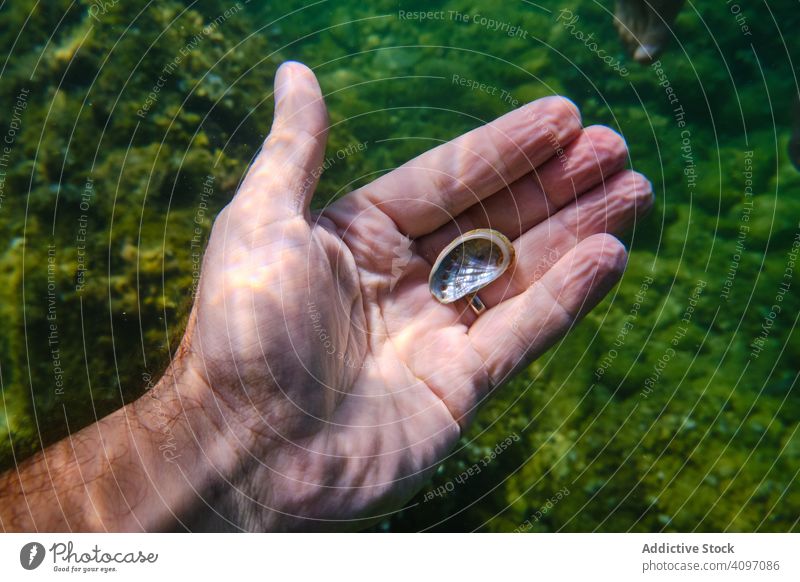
x=645, y=26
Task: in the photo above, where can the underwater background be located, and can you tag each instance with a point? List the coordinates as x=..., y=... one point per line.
x=673, y=406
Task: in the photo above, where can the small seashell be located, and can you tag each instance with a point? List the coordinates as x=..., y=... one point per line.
x=468, y=264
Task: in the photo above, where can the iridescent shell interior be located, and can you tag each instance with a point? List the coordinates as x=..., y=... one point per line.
x=470, y=263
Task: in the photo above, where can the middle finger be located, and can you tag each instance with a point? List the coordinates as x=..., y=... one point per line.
x=595, y=155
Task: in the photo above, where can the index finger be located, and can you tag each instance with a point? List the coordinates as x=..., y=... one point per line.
x=428, y=191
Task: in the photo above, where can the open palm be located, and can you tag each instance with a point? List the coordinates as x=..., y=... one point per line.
x=343, y=381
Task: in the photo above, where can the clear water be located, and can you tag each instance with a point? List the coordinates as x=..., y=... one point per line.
x=673, y=406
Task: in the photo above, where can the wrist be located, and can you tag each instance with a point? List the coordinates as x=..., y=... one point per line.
x=193, y=450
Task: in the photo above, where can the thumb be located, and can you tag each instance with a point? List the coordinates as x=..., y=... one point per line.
x=285, y=173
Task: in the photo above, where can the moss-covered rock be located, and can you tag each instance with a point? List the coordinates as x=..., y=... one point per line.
x=649, y=416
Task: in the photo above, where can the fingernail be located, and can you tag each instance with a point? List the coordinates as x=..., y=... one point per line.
x=283, y=77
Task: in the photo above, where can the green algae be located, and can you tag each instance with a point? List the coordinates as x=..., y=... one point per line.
x=676, y=423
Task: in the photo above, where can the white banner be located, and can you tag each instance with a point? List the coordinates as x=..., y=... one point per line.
x=388, y=557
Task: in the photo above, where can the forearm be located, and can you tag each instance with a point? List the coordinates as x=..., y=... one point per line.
x=142, y=468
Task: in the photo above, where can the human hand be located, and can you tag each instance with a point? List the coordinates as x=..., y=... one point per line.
x=338, y=381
